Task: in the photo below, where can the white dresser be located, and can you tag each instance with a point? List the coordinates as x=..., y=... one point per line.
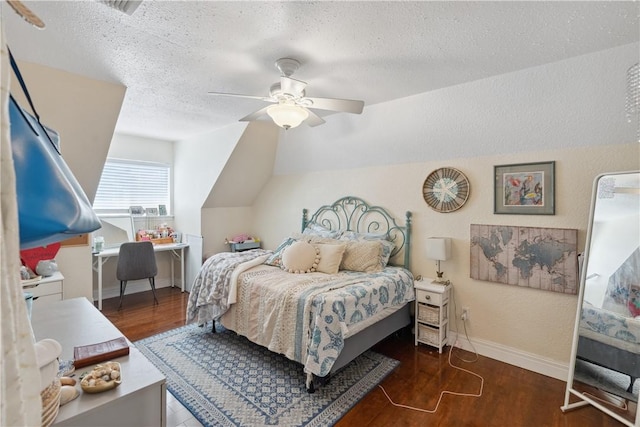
x=141, y=398
x=46, y=290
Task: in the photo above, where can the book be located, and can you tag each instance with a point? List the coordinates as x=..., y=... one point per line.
x=91, y=354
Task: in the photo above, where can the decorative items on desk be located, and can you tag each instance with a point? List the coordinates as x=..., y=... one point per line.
x=161, y=234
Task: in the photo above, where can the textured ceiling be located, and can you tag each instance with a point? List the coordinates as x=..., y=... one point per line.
x=169, y=54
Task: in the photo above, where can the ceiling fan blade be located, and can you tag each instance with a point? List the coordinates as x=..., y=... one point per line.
x=313, y=119
x=334, y=104
x=292, y=86
x=237, y=95
x=255, y=115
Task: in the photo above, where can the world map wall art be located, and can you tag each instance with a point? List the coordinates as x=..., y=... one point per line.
x=540, y=258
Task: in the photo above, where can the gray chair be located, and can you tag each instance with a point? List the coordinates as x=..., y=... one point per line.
x=136, y=261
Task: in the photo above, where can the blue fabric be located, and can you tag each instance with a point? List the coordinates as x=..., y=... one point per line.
x=51, y=204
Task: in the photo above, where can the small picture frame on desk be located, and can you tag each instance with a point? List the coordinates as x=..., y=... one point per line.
x=162, y=210
x=152, y=211
x=136, y=210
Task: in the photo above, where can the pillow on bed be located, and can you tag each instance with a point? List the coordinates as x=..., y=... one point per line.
x=363, y=255
x=300, y=257
x=276, y=258
x=387, y=245
x=315, y=229
x=330, y=257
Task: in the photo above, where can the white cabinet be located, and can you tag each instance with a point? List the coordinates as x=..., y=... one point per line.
x=141, y=398
x=432, y=313
x=46, y=290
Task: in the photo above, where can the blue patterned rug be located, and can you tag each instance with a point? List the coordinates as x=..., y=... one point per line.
x=225, y=380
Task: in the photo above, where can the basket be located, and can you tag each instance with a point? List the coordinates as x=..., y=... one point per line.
x=429, y=335
x=428, y=313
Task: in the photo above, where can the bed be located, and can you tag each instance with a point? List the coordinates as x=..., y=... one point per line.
x=356, y=292
x=611, y=340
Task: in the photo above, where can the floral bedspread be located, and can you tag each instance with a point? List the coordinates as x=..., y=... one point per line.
x=610, y=328
x=209, y=297
x=306, y=316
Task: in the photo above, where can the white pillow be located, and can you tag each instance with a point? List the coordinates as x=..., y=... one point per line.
x=330, y=257
x=300, y=257
x=363, y=255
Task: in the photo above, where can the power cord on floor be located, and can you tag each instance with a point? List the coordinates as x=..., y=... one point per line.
x=442, y=393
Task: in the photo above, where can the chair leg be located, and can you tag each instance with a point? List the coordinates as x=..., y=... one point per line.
x=152, y=280
x=123, y=287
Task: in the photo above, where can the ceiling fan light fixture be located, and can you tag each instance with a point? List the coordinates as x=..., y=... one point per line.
x=287, y=116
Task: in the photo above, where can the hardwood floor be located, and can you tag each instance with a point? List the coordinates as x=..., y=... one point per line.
x=511, y=396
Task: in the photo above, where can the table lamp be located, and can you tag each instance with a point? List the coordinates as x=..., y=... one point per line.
x=439, y=249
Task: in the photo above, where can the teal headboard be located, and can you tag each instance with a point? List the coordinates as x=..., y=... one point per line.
x=354, y=214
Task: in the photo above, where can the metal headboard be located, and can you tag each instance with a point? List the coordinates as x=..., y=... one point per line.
x=354, y=214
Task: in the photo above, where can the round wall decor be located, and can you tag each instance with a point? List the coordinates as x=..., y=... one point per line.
x=446, y=190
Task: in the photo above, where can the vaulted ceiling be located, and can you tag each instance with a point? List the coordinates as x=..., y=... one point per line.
x=169, y=54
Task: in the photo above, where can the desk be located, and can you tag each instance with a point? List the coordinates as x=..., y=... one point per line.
x=176, y=250
x=141, y=398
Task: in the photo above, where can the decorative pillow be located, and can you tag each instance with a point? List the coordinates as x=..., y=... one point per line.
x=364, y=256
x=387, y=245
x=301, y=257
x=330, y=257
x=315, y=229
x=276, y=258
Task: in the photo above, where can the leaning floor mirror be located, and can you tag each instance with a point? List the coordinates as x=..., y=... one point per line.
x=605, y=360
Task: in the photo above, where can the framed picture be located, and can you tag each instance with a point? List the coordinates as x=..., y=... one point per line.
x=152, y=211
x=525, y=188
x=136, y=210
x=162, y=210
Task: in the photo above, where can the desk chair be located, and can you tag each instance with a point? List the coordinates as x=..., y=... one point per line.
x=136, y=261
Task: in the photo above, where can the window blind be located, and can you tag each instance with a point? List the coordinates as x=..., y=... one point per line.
x=126, y=183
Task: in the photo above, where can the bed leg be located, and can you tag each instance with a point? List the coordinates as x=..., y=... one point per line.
x=633, y=380
x=309, y=383
x=213, y=326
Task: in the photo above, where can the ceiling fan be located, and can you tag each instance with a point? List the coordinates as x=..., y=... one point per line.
x=291, y=105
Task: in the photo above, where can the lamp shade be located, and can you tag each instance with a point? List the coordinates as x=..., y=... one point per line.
x=287, y=116
x=438, y=248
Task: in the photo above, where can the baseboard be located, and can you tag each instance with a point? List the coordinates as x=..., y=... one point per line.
x=513, y=356
x=133, y=287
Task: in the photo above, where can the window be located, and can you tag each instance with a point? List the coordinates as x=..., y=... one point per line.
x=126, y=183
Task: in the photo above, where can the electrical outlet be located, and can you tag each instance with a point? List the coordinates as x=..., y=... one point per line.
x=465, y=313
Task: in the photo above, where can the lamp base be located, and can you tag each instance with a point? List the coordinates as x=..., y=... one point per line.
x=439, y=278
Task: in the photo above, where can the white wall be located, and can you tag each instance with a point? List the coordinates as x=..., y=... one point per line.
x=197, y=164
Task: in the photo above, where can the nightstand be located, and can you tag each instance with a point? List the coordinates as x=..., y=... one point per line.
x=432, y=313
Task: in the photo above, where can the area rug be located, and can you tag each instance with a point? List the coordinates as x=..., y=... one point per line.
x=225, y=380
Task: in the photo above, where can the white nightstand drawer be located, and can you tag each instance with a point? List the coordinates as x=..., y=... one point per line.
x=42, y=289
x=427, y=297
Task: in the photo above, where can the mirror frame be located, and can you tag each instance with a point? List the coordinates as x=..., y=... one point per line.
x=585, y=399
